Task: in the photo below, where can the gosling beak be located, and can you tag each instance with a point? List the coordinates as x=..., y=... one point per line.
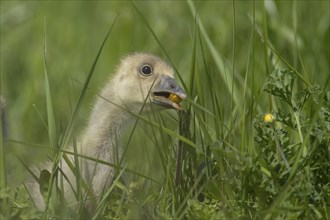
x=168, y=93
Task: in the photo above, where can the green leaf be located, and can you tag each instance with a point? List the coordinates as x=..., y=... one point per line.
x=279, y=84
x=44, y=183
x=301, y=98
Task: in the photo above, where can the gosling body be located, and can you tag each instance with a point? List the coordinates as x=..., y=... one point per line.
x=141, y=83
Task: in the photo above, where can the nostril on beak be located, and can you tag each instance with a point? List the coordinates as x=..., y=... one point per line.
x=172, y=86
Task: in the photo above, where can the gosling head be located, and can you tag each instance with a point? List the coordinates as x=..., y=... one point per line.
x=144, y=79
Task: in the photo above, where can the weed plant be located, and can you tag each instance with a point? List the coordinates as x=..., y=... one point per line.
x=253, y=140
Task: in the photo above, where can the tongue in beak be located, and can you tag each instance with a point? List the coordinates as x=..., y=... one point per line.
x=168, y=93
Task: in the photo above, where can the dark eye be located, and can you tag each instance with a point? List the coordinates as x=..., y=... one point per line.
x=146, y=70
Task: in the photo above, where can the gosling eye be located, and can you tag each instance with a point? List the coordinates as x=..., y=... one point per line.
x=146, y=70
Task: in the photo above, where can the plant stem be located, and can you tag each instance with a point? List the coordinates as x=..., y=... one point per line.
x=184, y=131
x=296, y=115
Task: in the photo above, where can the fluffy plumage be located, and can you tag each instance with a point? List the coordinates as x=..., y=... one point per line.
x=141, y=81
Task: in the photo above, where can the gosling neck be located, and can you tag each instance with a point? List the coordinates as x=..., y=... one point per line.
x=104, y=130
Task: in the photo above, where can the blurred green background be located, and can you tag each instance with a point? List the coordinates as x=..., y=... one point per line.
x=75, y=29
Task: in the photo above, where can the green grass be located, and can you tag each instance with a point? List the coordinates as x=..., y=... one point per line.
x=237, y=60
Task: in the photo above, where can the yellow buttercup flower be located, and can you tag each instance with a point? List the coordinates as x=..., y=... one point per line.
x=174, y=98
x=269, y=118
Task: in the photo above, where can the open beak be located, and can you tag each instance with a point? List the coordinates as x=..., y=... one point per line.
x=168, y=93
